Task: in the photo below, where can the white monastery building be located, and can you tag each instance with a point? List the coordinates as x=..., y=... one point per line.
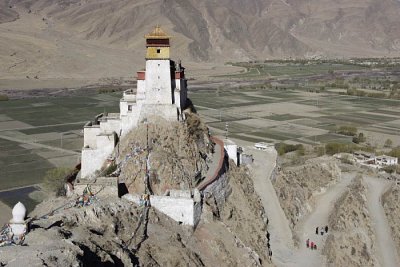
x=161, y=90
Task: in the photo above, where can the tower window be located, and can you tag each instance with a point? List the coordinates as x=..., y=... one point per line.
x=158, y=51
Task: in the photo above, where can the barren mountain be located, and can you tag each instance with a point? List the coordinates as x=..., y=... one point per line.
x=105, y=38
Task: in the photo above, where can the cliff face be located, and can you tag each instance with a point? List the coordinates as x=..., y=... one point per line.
x=178, y=155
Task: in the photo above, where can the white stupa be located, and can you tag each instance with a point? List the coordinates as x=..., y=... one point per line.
x=17, y=223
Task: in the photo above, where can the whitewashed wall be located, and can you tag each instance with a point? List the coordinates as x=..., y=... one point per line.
x=183, y=210
x=158, y=82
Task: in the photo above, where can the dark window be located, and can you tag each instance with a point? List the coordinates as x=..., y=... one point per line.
x=158, y=51
x=130, y=107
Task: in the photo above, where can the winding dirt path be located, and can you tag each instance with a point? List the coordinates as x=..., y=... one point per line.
x=318, y=218
x=284, y=251
x=386, y=250
x=278, y=227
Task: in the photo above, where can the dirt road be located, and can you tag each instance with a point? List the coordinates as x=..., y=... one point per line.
x=284, y=251
x=280, y=233
x=319, y=218
x=386, y=249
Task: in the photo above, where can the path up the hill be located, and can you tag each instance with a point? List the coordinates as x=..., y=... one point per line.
x=386, y=250
x=280, y=233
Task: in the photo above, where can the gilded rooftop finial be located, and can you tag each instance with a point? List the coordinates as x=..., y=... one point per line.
x=157, y=33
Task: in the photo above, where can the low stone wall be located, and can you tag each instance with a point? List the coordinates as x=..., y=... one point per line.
x=221, y=169
x=101, y=186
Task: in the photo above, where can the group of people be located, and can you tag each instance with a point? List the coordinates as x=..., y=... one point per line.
x=319, y=230
x=311, y=244
x=323, y=230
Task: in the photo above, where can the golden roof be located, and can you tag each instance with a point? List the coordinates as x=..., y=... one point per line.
x=157, y=33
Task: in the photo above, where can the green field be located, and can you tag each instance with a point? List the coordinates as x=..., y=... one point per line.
x=296, y=101
x=55, y=122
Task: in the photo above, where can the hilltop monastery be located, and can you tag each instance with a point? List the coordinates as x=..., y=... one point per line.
x=161, y=91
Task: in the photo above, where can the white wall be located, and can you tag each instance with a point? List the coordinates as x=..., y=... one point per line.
x=110, y=125
x=177, y=96
x=130, y=120
x=183, y=210
x=93, y=159
x=158, y=82
x=168, y=112
x=232, y=152
x=89, y=135
x=141, y=90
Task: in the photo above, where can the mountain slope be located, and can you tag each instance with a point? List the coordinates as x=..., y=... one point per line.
x=209, y=31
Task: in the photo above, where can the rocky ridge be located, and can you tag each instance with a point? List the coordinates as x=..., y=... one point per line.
x=178, y=155
x=295, y=186
x=351, y=242
x=90, y=39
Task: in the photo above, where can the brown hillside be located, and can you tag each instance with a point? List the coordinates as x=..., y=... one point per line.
x=105, y=38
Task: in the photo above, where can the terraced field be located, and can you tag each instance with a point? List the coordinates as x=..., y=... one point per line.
x=32, y=129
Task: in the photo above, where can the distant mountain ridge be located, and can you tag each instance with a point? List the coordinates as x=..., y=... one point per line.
x=227, y=30
x=241, y=29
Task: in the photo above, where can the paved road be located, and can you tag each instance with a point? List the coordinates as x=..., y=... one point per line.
x=386, y=250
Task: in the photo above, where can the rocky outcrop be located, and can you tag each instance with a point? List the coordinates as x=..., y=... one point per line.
x=391, y=205
x=351, y=242
x=244, y=213
x=295, y=186
x=111, y=232
x=177, y=155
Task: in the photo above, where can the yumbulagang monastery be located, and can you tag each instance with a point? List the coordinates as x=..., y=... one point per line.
x=161, y=90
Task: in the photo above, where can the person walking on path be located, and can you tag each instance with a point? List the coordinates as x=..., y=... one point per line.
x=315, y=246
x=312, y=245
x=308, y=243
x=316, y=231
x=326, y=229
